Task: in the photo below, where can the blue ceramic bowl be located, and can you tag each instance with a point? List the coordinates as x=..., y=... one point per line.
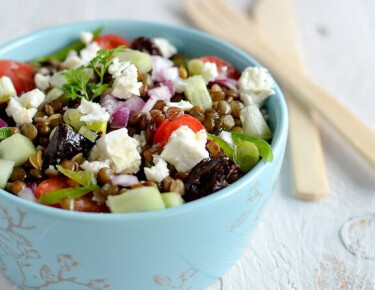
x=188, y=247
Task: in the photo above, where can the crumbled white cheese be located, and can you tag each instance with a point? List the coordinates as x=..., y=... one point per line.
x=255, y=85
x=117, y=67
x=141, y=138
x=74, y=60
x=179, y=85
x=166, y=48
x=95, y=166
x=183, y=105
x=185, y=148
x=92, y=112
x=20, y=114
x=157, y=172
x=86, y=37
x=41, y=81
x=209, y=72
x=32, y=99
x=57, y=80
x=44, y=71
x=127, y=85
x=120, y=149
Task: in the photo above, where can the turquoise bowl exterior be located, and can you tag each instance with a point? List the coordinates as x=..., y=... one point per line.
x=188, y=247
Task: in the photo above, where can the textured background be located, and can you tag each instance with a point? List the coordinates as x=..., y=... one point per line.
x=328, y=244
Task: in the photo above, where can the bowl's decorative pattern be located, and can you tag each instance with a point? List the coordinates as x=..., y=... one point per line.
x=14, y=243
x=178, y=283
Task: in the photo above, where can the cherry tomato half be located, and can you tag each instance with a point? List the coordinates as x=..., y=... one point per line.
x=165, y=130
x=232, y=72
x=21, y=74
x=51, y=184
x=110, y=41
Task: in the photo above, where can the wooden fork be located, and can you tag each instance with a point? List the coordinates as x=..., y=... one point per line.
x=222, y=20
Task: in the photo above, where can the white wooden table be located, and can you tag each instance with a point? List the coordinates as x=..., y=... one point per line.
x=328, y=244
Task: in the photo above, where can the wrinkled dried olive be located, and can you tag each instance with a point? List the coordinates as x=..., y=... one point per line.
x=145, y=44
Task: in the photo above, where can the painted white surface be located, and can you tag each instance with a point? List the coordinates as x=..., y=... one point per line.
x=329, y=244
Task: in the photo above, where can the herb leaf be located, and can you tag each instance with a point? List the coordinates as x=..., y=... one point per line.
x=76, y=83
x=63, y=53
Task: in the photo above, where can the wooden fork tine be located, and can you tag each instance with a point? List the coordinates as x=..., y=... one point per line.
x=199, y=17
x=229, y=12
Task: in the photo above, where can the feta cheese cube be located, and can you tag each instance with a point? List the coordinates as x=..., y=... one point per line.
x=209, y=72
x=183, y=105
x=57, y=80
x=95, y=166
x=166, y=48
x=120, y=149
x=86, y=55
x=41, y=81
x=92, y=112
x=185, y=148
x=19, y=113
x=72, y=60
x=255, y=85
x=32, y=99
x=127, y=85
x=86, y=37
x=157, y=172
x=117, y=67
x=141, y=138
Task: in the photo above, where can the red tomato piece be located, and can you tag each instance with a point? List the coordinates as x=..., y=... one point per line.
x=165, y=130
x=232, y=72
x=21, y=74
x=110, y=41
x=51, y=184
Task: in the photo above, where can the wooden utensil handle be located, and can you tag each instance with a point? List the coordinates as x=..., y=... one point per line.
x=360, y=136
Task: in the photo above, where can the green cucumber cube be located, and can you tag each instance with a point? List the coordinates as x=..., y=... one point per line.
x=146, y=198
x=6, y=168
x=253, y=123
x=140, y=59
x=197, y=93
x=172, y=199
x=17, y=148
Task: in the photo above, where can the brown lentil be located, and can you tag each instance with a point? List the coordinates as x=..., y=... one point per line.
x=143, y=122
x=211, y=113
x=197, y=112
x=29, y=131
x=14, y=130
x=216, y=88
x=228, y=122
x=57, y=105
x=213, y=149
x=135, y=119
x=155, y=112
x=49, y=110
x=39, y=115
x=18, y=173
x=72, y=183
x=158, y=119
x=209, y=124
x=236, y=107
x=68, y=164
x=238, y=122
x=173, y=113
x=183, y=72
x=55, y=119
x=18, y=186
x=160, y=104
x=224, y=108
x=51, y=172
x=177, y=186
x=104, y=175
x=43, y=141
x=36, y=173
x=217, y=96
x=109, y=189
x=177, y=98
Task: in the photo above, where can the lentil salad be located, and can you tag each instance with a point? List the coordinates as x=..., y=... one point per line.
x=109, y=125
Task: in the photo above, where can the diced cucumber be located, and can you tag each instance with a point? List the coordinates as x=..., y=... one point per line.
x=140, y=59
x=136, y=200
x=172, y=199
x=6, y=168
x=98, y=127
x=17, y=148
x=253, y=123
x=196, y=92
x=195, y=66
x=7, y=89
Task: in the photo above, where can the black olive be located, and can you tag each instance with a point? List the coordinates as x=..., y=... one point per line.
x=64, y=145
x=145, y=44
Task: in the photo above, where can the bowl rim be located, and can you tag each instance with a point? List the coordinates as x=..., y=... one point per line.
x=277, y=145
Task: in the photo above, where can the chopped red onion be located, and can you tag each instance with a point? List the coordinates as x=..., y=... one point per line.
x=120, y=117
x=135, y=104
x=124, y=180
x=170, y=86
x=163, y=69
x=226, y=82
x=3, y=123
x=161, y=93
x=149, y=104
x=32, y=186
x=27, y=194
x=109, y=103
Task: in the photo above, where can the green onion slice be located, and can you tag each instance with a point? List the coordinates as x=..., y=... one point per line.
x=246, y=156
x=56, y=196
x=84, y=178
x=265, y=150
